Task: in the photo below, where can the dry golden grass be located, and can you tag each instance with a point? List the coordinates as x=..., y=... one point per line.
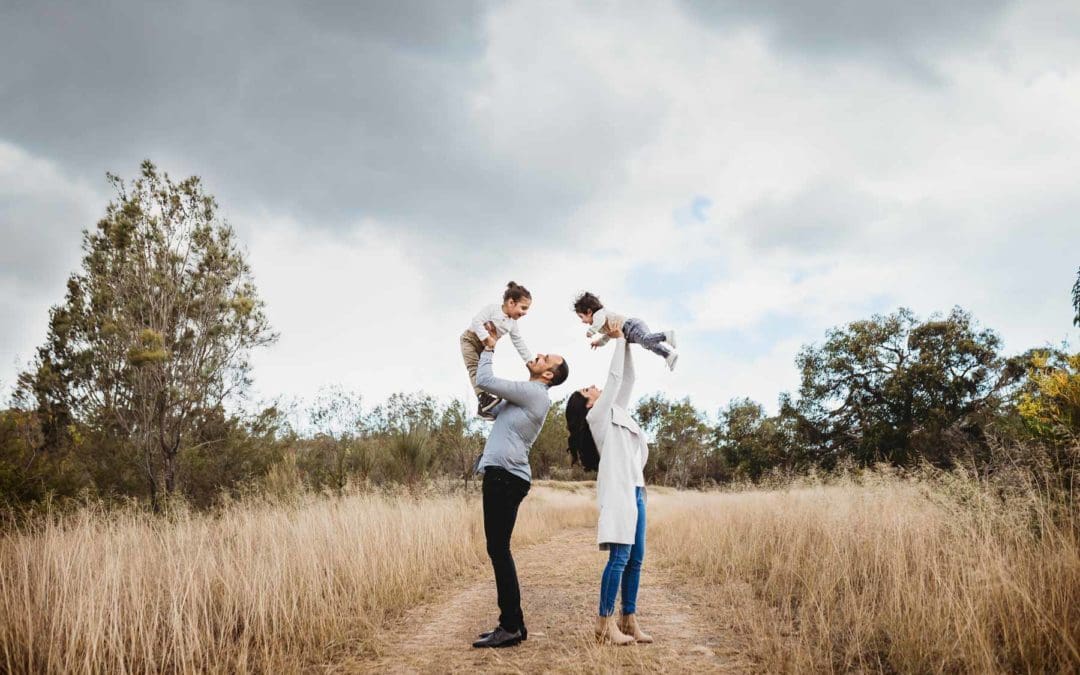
x=882, y=574
x=887, y=575
x=258, y=587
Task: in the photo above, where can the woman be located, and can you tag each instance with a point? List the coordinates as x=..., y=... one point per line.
x=599, y=422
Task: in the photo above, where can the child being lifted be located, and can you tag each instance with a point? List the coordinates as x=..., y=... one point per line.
x=503, y=319
x=592, y=313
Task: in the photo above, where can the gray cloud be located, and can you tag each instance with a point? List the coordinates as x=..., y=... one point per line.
x=826, y=215
x=41, y=241
x=900, y=34
x=42, y=213
x=332, y=113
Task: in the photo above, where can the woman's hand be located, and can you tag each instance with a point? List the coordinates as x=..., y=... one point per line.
x=613, y=328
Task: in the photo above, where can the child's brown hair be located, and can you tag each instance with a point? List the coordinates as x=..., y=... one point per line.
x=586, y=303
x=516, y=292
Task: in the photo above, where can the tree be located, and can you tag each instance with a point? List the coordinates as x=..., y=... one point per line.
x=1076, y=299
x=155, y=328
x=750, y=441
x=893, y=388
x=339, y=448
x=27, y=471
x=226, y=451
x=402, y=412
x=1049, y=404
x=457, y=443
x=549, y=452
x=682, y=448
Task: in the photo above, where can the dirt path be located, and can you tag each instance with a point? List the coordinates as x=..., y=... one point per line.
x=559, y=580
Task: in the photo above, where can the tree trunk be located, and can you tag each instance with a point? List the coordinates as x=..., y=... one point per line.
x=170, y=471
x=155, y=505
x=151, y=474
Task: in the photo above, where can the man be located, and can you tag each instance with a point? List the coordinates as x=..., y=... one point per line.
x=507, y=476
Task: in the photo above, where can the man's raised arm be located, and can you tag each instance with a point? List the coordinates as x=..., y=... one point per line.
x=515, y=392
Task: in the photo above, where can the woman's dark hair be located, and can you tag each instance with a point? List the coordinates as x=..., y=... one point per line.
x=515, y=292
x=587, y=302
x=582, y=447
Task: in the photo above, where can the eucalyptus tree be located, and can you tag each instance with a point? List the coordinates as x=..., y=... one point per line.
x=156, y=326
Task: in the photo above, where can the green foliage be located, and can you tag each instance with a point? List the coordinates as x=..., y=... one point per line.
x=683, y=450
x=402, y=412
x=225, y=452
x=1076, y=299
x=550, y=457
x=894, y=389
x=411, y=451
x=751, y=442
x=155, y=328
x=1049, y=404
x=27, y=472
x=457, y=442
x=337, y=453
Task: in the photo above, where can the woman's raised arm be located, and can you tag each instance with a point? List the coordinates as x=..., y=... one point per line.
x=622, y=398
x=599, y=414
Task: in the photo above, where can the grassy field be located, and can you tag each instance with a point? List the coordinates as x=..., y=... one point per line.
x=888, y=575
x=880, y=574
x=260, y=587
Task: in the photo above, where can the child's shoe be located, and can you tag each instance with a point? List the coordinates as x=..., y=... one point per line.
x=669, y=337
x=670, y=359
x=486, y=405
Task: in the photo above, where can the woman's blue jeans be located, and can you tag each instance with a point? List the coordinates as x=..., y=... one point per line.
x=623, y=569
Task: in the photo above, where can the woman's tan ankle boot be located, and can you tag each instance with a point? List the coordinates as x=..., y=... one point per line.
x=608, y=631
x=628, y=624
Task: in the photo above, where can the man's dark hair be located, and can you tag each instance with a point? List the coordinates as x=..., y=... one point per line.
x=587, y=302
x=580, y=444
x=559, y=375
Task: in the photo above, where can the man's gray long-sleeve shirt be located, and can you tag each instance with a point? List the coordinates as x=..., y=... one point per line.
x=518, y=420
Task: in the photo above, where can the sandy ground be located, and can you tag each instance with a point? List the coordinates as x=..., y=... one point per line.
x=560, y=580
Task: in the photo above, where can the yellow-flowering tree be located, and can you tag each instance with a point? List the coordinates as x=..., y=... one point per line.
x=1050, y=406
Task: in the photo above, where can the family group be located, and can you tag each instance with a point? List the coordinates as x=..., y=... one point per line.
x=602, y=436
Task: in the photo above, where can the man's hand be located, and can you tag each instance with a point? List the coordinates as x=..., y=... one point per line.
x=595, y=344
x=493, y=335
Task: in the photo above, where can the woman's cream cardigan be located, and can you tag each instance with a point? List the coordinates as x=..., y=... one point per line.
x=623, y=452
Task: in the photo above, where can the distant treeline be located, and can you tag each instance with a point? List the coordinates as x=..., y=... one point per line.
x=128, y=397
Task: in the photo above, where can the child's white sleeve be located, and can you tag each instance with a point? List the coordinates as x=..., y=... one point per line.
x=598, y=320
x=519, y=343
x=477, y=325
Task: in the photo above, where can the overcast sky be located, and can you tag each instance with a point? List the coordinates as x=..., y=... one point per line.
x=750, y=174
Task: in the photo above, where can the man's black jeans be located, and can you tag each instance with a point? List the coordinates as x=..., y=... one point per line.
x=503, y=493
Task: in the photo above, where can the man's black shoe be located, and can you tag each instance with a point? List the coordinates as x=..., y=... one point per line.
x=499, y=638
x=486, y=402
x=524, y=633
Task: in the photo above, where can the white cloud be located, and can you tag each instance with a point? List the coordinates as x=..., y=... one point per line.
x=838, y=188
